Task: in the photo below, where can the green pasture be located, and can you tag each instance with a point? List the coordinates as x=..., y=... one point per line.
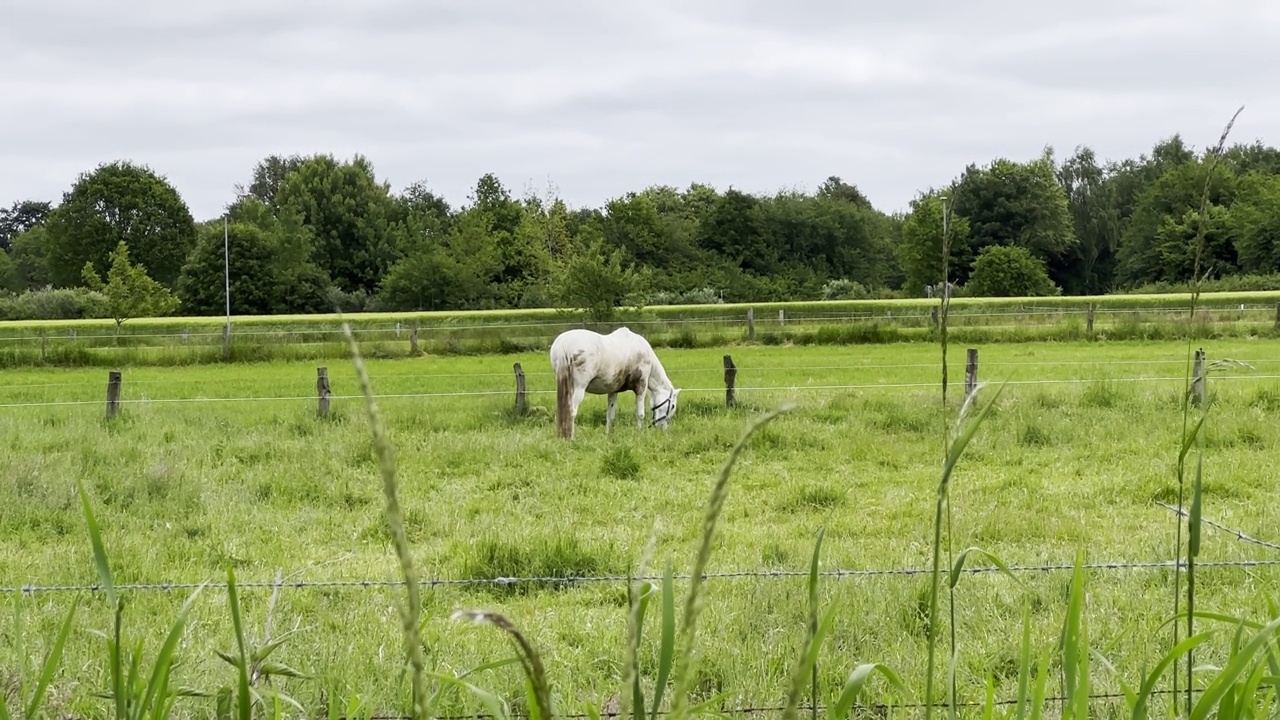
x=184, y=341
x=228, y=465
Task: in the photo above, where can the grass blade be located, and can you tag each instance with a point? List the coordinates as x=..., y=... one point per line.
x=51, y=662
x=854, y=685
x=242, y=676
x=667, y=641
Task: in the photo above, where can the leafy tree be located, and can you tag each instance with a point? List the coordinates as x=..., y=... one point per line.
x=131, y=293
x=1254, y=223
x=10, y=278
x=833, y=188
x=268, y=262
x=1009, y=271
x=1091, y=201
x=921, y=249
x=1156, y=244
x=596, y=281
x=268, y=177
x=19, y=218
x=29, y=257
x=118, y=203
x=1010, y=203
x=351, y=217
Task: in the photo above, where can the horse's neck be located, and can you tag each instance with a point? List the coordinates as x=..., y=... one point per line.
x=658, y=380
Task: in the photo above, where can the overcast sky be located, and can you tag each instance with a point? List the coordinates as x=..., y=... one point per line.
x=600, y=98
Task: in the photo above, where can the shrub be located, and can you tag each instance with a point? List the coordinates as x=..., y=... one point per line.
x=1009, y=271
x=54, y=304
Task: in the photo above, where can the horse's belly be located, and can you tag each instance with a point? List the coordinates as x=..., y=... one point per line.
x=603, y=386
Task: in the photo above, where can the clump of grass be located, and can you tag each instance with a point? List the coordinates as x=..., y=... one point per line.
x=1033, y=435
x=620, y=463
x=561, y=555
x=814, y=497
x=1101, y=394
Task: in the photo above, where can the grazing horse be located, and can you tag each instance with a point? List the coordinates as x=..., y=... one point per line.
x=588, y=362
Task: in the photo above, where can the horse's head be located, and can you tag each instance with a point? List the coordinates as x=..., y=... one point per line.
x=665, y=409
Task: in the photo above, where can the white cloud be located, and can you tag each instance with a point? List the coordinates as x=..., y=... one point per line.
x=602, y=98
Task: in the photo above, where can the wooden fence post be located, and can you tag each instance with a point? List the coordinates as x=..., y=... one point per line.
x=971, y=373
x=1278, y=316
x=397, y=328
x=1197, y=382
x=521, y=402
x=1088, y=321
x=322, y=390
x=782, y=317
x=751, y=323
x=730, y=376
x=933, y=315
x=113, y=393
x=413, y=338
x=43, y=337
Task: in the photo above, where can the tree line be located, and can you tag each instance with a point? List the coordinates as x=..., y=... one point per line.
x=309, y=234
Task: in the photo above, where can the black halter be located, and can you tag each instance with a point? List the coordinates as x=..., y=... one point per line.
x=655, y=409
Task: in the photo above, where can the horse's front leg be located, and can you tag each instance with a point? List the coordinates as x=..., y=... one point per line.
x=613, y=410
x=641, y=399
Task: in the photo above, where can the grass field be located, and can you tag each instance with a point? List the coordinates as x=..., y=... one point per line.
x=184, y=341
x=1079, y=448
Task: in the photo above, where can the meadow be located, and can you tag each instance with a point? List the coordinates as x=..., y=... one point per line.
x=195, y=340
x=210, y=466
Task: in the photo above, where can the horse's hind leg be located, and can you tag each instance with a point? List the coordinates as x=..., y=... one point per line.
x=579, y=394
x=613, y=410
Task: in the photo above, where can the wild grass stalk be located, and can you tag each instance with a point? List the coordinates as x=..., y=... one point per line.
x=133, y=698
x=685, y=659
x=412, y=612
x=1196, y=437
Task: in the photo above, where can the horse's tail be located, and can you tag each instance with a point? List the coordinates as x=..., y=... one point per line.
x=564, y=395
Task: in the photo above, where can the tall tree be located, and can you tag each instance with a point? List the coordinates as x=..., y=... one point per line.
x=1091, y=201
x=268, y=177
x=1011, y=203
x=351, y=216
x=922, y=242
x=21, y=217
x=119, y=202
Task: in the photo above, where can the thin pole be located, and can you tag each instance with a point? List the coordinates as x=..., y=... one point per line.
x=226, y=265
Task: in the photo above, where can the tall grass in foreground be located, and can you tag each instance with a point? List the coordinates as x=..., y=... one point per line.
x=1196, y=434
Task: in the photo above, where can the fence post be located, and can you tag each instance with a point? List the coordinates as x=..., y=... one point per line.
x=1088, y=321
x=730, y=376
x=113, y=393
x=1197, y=382
x=782, y=317
x=933, y=315
x=1278, y=316
x=397, y=328
x=413, y=338
x=970, y=373
x=751, y=323
x=521, y=403
x=322, y=390
x=226, y=341
x=43, y=337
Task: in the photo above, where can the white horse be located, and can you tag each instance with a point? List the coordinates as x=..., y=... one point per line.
x=588, y=362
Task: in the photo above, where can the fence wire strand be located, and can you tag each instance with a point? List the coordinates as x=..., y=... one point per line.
x=1239, y=534
x=480, y=393
x=618, y=579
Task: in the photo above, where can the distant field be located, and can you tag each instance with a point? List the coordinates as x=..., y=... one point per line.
x=215, y=465
x=180, y=341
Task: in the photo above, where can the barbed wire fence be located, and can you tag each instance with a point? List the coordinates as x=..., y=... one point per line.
x=877, y=708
